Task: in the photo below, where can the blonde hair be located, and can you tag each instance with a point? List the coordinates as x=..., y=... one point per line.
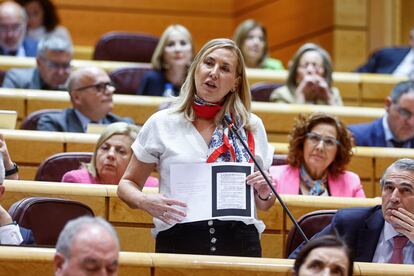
x=119, y=128
x=157, y=59
x=237, y=103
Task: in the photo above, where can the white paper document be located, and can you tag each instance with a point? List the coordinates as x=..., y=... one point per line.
x=213, y=190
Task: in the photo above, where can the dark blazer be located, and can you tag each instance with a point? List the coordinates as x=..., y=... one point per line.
x=67, y=121
x=384, y=61
x=359, y=227
x=27, y=234
x=153, y=84
x=29, y=45
x=370, y=134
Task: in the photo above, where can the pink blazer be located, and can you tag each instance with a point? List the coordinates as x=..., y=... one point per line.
x=287, y=180
x=83, y=176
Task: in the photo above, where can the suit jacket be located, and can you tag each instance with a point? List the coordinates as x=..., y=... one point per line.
x=347, y=184
x=384, y=61
x=153, y=84
x=359, y=227
x=27, y=235
x=370, y=134
x=67, y=121
x=25, y=78
x=29, y=45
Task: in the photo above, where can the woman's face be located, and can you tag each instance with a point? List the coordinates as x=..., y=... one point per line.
x=35, y=14
x=112, y=158
x=325, y=261
x=311, y=63
x=215, y=76
x=178, y=49
x=253, y=46
x=319, y=154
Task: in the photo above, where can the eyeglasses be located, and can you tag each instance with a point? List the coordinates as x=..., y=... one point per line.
x=306, y=65
x=101, y=87
x=10, y=28
x=405, y=113
x=55, y=65
x=315, y=139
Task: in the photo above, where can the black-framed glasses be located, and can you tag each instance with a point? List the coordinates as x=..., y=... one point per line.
x=100, y=87
x=316, y=138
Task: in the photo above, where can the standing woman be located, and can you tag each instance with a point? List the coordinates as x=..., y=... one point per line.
x=251, y=38
x=171, y=59
x=192, y=131
x=43, y=20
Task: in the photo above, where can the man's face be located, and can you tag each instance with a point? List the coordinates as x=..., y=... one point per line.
x=400, y=116
x=397, y=192
x=92, y=94
x=12, y=29
x=54, y=68
x=93, y=252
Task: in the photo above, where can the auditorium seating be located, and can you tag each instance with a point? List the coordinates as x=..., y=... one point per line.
x=30, y=121
x=261, y=91
x=127, y=80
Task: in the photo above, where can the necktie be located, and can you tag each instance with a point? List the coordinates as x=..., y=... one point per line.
x=397, y=144
x=397, y=251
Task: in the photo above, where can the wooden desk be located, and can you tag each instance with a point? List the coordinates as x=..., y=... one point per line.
x=39, y=261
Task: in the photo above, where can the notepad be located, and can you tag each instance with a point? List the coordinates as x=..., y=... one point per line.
x=8, y=119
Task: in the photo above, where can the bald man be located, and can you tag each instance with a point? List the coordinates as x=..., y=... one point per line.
x=87, y=246
x=13, y=22
x=90, y=92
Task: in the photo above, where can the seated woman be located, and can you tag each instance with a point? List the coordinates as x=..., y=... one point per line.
x=110, y=159
x=251, y=38
x=309, y=80
x=320, y=147
x=43, y=20
x=326, y=255
x=171, y=60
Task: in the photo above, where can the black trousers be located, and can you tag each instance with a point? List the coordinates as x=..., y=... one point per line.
x=210, y=237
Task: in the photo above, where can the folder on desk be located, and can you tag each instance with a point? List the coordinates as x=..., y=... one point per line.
x=8, y=119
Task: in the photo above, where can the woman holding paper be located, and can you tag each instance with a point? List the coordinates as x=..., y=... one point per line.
x=193, y=132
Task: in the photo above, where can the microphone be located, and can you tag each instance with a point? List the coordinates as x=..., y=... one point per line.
x=234, y=129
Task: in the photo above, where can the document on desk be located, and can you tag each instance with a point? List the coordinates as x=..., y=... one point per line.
x=213, y=190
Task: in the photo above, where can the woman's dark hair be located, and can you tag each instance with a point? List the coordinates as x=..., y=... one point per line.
x=304, y=125
x=324, y=241
x=50, y=16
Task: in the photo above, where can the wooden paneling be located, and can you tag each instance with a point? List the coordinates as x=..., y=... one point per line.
x=350, y=49
x=351, y=13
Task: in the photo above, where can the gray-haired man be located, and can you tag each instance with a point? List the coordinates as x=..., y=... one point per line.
x=53, y=67
x=87, y=246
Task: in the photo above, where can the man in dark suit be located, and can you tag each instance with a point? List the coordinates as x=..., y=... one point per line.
x=13, y=22
x=384, y=233
x=53, y=58
x=90, y=91
x=396, y=128
x=398, y=61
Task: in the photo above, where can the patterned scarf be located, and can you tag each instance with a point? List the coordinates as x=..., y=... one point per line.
x=316, y=187
x=205, y=109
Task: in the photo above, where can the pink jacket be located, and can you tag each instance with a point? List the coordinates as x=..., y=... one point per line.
x=83, y=176
x=287, y=181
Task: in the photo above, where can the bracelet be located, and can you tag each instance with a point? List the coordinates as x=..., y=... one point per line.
x=267, y=198
x=14, y=170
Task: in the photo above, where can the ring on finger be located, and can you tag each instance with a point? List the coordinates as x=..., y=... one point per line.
x=164, y=214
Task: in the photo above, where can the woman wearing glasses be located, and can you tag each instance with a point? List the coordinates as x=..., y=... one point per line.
x=320, y=148
x=309, y=80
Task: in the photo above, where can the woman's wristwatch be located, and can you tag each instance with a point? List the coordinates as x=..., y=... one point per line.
x=13, y=170
x=266, y=198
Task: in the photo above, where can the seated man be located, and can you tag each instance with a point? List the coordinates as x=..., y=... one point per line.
x=53, y=67
x=10, y=233
x=383, y=233
x=90, y=92
x=86, y=246
x=396, y=128
x=13, y=22
x=394, y=60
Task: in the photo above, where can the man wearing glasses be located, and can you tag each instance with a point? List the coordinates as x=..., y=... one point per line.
x=53, y=67
x=396, y=128
x=90, y=91
x=13, y=22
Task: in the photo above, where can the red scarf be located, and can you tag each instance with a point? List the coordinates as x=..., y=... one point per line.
x=205, y=110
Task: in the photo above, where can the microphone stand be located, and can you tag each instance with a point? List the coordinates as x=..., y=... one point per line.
x=233, y=128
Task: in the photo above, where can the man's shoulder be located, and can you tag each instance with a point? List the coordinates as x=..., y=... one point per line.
x=363, y=127
x=393, y=50
x=355, y=216
x=113, y=118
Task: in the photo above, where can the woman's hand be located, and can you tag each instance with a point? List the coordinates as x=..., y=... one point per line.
x=8, y=163
x=257, y=181
x=313, y=88
x=163, y=208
